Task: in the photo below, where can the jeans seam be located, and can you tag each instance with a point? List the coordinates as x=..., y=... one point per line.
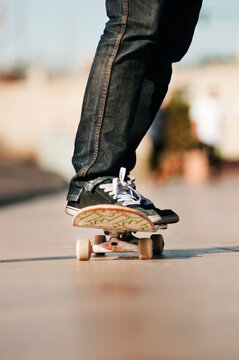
x=106, y=87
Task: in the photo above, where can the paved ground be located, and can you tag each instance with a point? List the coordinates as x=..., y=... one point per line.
x=184, y=305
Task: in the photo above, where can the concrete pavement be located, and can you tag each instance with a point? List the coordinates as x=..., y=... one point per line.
x=183, y=305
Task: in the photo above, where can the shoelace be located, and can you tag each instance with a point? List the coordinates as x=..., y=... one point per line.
x=145, y=200
x=122, y=191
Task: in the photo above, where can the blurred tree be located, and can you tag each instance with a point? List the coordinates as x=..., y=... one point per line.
x=178, y=136
x=176, y=139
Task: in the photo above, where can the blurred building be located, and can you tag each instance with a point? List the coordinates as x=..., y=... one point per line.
x=39, y=114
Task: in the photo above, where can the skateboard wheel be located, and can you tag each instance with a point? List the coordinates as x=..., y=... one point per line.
x=145, y=247
x=158, y=244
x=83, y=249
x=99, y=239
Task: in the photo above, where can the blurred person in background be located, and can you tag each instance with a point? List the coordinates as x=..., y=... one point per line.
x=208, y=115
x=128, y=81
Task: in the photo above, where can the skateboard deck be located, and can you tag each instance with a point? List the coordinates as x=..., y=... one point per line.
x=117, y=222
x=113, y=218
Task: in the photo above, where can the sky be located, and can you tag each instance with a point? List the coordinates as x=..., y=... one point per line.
x=62, y=34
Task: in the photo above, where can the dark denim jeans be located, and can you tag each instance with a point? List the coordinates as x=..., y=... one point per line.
x=128, y=81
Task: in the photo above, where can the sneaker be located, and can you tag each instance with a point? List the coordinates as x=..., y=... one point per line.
x=116, y=191
x=167, y=216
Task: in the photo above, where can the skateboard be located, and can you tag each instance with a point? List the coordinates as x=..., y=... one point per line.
x=119, y=224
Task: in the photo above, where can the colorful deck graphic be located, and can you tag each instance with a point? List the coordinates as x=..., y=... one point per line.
x=113, y=218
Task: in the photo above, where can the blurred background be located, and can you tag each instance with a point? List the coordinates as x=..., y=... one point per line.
x=182, y=305
x=46, y=49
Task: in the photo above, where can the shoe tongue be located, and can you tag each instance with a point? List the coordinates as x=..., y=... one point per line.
x=121, y=178
x=122, y=174
x=108, y=180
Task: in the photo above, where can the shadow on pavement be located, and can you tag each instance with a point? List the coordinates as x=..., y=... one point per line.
x=37, y=259
x=191, y=253
x=168, y=254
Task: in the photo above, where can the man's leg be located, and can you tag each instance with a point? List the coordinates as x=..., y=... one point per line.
x=128, y=81
x=175, y=32
x=120, y=74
